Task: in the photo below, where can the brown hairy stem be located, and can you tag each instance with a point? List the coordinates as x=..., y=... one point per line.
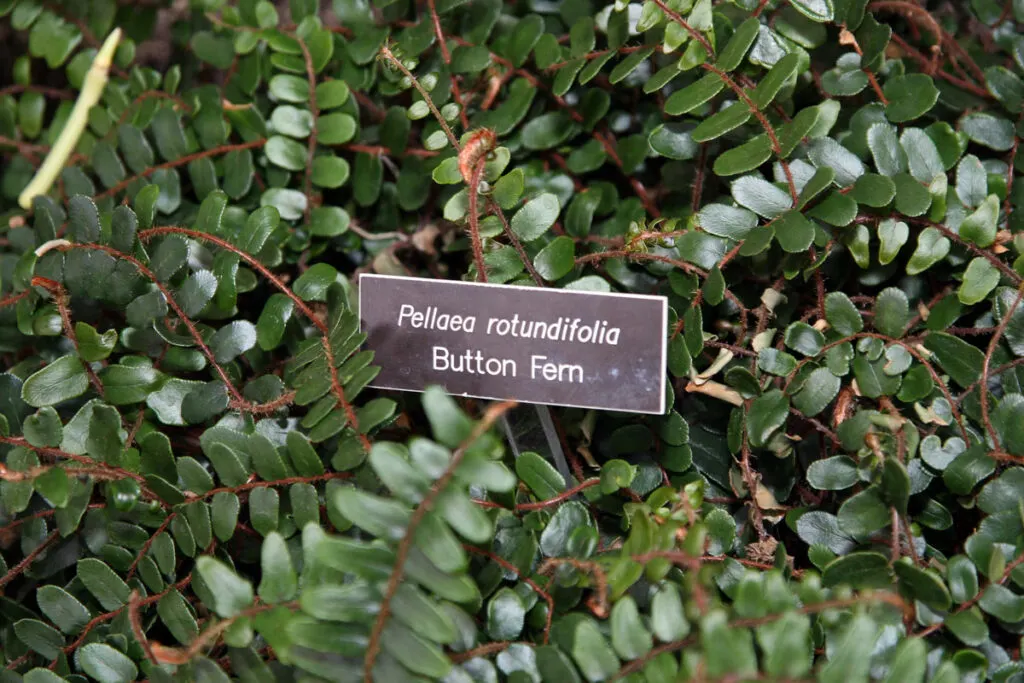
x=405, y=545
x=216, y=151
x=338, y=390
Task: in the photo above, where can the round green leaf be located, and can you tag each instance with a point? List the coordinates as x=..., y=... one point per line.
x=61, y=380
x=105, y=664
x=556, y=259
x=536, y=216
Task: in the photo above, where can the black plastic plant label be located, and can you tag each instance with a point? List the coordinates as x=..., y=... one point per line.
x=551, y=346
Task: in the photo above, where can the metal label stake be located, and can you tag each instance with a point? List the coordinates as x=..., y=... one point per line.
x=529, y=427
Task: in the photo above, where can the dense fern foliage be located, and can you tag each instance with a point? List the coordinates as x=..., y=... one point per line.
x=199, y=484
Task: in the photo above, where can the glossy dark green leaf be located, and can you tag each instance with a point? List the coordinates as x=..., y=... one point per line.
x=1002, y=603
x=591, y=652
x=968, y=626
x=727, y=649
x=932, y=247
x=988, y=130
x=793, y=231
x=744, y=158
x=535, y=217
x=968, y=470
x=767, y=414
x=924, y=585
x=864, y=513
x=980, y=278
x=861, y=570
x=272, y=321
x=980, y=226
x=524, y=37
x=232, y=340
x=176, y=614
x=103, y=583
x=43, y=428
x=335, y=129
x=731, y=55
x=565, y=521
x=505, y=615
x=61, y=380
x=804, y=339
x=556, y=259
x=230, y=592
x=105, y=664
x=289, y=88
x=816, y=10
x=961, y=360
x=169, y=135
x=286, y=153
x=224, y=510
x=415, y=652
x=537, y=473
x=769, y=85
x=694, y=95
x=817, y=392
x=630, y=637
x=129, y=382
x=851, y=659
x=62, y=608
x=872, y=189
x=214, y=49
x=910, y=96
x=279, y=581
x=547, y=131
x=721, y=123
x=760, y=196
x=628, y=65
x=892, y=312
x=827, y=153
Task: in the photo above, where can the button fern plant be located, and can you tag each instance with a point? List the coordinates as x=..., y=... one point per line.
x=199, y=484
